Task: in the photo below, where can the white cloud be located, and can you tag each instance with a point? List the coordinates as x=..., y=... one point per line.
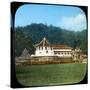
x=76, y=23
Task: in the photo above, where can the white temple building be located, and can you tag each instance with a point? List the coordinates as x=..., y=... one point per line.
x=45, y=52
x=44, y=48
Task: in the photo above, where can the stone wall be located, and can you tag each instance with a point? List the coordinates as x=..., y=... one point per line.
x=50, y=60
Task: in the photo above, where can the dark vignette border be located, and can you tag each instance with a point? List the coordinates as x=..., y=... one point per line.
x=14, y=7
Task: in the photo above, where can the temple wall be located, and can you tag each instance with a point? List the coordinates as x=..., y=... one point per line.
x=42, y=51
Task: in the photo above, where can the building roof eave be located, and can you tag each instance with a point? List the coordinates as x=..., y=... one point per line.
x=43, y=43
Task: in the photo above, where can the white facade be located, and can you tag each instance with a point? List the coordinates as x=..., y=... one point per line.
x=66, y=53
x=43, y=51
x=44, y=48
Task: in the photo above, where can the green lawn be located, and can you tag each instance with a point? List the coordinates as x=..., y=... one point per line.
x=50, y=74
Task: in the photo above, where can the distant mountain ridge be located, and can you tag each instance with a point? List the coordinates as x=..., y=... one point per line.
x=55, y=35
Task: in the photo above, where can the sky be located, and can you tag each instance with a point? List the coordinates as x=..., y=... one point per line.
x=67, y=17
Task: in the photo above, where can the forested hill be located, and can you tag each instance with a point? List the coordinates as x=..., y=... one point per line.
x=31, y=34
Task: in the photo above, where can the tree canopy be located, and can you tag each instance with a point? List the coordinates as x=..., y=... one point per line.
x=26, y=37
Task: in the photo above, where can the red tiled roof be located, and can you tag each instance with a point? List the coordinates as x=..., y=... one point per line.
x=44, y=42
x=60, y=46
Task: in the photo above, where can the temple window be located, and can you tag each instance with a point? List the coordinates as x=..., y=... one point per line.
x=46, y=48
x=55, y=52
x=46, y=51
x=39, y=48
x=51, y=48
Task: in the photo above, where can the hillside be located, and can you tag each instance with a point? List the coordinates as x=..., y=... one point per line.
x=31, y=34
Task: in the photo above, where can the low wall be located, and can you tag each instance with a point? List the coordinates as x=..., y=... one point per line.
x=49, y=60
x=45, y=60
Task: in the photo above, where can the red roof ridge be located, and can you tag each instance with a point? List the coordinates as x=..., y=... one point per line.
x=60, y=46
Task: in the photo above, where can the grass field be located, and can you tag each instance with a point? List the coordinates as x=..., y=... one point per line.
x=50, y=74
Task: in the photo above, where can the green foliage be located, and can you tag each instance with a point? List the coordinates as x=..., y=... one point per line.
x=21, y=42
x=83, y=41
x=32, y=34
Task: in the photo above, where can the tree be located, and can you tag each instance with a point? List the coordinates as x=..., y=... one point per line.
x=31, y=34
x=21, y=42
